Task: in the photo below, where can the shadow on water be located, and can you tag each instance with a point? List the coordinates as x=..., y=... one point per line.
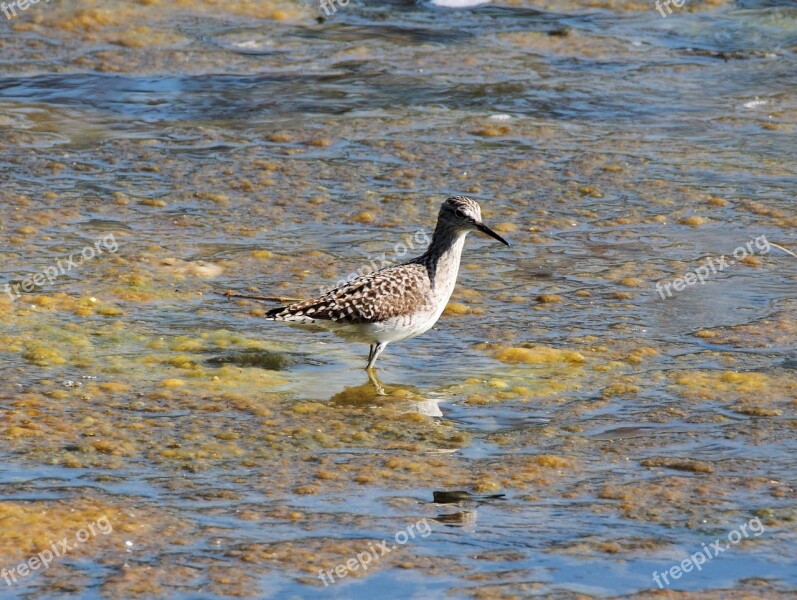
x=264, y=359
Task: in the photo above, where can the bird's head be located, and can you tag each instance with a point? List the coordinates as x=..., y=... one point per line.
x=464, y=214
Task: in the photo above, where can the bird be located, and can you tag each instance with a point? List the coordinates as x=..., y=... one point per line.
x=400, y=301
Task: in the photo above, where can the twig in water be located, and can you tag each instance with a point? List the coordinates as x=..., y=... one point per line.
x=230, y=294
x=786, y=250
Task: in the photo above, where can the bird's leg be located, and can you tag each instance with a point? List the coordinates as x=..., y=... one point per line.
x=375, y=354
x=380, y=391
x=370, y=353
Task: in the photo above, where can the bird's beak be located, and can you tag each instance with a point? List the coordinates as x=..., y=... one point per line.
x=484, y=229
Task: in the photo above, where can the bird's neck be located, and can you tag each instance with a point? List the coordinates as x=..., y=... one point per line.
x=443, y=255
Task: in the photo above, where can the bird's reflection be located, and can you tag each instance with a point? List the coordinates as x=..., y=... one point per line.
x=375, y=392
x=466, y=519
x=467, y=504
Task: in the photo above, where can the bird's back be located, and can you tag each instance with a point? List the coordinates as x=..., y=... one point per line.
x=392, y=293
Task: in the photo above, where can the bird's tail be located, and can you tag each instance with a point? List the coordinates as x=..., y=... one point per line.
x=275, y=313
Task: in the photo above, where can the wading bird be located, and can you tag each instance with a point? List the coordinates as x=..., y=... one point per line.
x=398, y=302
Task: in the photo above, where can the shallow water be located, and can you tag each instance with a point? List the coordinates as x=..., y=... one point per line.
x=253, y=148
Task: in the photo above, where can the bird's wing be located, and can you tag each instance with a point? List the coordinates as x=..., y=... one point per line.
x=373, y=298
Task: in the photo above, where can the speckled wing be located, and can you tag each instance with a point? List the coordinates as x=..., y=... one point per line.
x=391, y=292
